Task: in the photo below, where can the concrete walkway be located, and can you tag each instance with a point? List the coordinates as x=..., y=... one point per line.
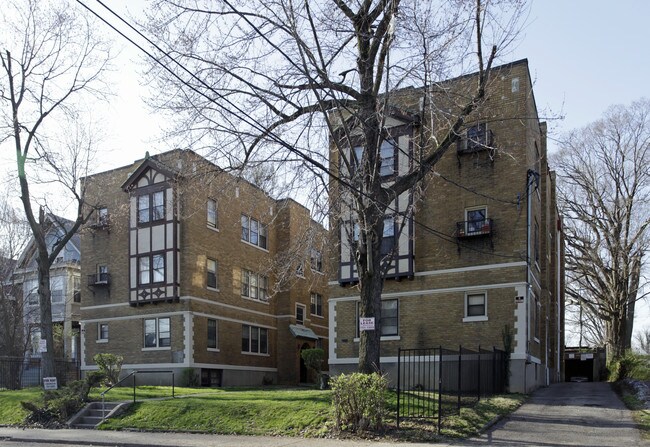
x=567, y=414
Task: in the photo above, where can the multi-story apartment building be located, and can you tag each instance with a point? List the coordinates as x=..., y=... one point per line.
x=65, y=275
x=192, y=269
x=481, y=251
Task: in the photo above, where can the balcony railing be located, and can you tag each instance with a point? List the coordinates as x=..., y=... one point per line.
x=99, y=279
x=472, y=228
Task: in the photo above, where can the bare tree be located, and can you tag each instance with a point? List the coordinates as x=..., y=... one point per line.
x=643, y=340
x=254, y=81
x=604, y=194
x=52, y=61
x=14, y=236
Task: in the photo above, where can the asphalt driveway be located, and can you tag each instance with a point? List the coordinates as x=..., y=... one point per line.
x=567, y=414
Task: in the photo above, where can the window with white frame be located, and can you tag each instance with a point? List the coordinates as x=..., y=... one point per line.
x=102, y=331
x=316, y=260
x=253, y=232
x=212, y=213
x=300, y=314
x=476, y=305
x=387, y=155
x=389, y=318
x=316, y=304
x=212, y=333
x=211, y=273
x=151, y=269
x=476, y=220
x=102, y=216
x=151, y=207
x=388, y=237
x=157, y=332
x=300, y=269
x=254, y=286
x=254, y=339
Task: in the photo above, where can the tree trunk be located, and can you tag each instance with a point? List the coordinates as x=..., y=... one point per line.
x=47, y=362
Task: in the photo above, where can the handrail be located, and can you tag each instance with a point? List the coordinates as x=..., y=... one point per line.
x=103, y=393
x=133, y=374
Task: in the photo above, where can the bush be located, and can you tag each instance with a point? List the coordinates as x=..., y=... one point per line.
x=625, y=367
x=111, y=366
x=313, y=359
x=359, y=401
x=190, y=377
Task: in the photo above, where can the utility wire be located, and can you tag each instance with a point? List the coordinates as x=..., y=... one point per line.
x=255, y=124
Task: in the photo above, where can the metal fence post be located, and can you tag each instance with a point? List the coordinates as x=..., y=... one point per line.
x=460, y=371
x=133, y=388
x=399, y=363
x=479, y=372
x=440, y=390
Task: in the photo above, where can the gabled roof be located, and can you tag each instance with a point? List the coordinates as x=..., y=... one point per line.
x=148, y=163
x=56, y=222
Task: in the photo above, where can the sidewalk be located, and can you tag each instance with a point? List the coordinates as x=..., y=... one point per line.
x=141, y=439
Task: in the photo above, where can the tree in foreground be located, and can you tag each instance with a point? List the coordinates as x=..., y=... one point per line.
x=52, y=62
x=604, y=193
x=299, y=84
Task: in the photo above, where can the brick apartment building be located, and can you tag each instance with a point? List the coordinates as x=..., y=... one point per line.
x=483, y=249
x=191, y=269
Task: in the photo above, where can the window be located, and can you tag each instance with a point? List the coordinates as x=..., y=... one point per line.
x=151, y=269
x=254, y=286
x=151, y=207
x=56, y=296
x=157, y=333
x=316, y=260
x=387, y=158
x=212, y=213
x=253, y=232
x=76, y=289
x=300, y=314
x=475, y=305
x=32, y=298
x=254, y=339
x=387, y=154
x=300, y=269
x=102, y=331
x=316, y=304
x=102, y=274
x=536, y=242
x=476, y=221
x=478, y=137
x=102, y=216
x=388, y=239
x=389, y=318
x=212, y=333
x=211, y=273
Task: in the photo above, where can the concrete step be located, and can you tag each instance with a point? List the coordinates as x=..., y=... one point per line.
x=93, y=414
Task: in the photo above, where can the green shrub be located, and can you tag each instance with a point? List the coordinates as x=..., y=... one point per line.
x=110, y=365
x=313, y=358
x=625, y=367
x=359, y=401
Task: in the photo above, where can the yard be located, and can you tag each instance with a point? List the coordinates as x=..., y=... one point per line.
x=262, y=411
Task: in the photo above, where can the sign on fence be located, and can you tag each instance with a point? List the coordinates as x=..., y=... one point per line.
x=50, y=383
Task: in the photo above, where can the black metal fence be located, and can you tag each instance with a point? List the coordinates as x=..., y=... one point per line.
x=18, y=372
x=436, y=382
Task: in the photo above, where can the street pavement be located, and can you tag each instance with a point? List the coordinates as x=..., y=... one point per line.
x=565, y=414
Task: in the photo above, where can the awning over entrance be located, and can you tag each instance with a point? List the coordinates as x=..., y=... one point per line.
x=302, y=332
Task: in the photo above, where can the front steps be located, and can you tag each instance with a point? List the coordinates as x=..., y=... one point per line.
x=92, y=414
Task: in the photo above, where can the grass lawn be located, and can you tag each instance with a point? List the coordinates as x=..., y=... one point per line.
x=122, y=393
x=11, y=412
x=252, y=412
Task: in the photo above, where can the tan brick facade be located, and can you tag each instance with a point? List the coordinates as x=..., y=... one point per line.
x=510, y=183
x=180, y=284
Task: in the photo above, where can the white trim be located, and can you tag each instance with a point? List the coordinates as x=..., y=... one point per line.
x=189, y=336
x=152, y=366
x=212, y=228
x=102, y=340
x=355, y=360
x=104, y=306
x=318, y=326
x=167, y=314
x=82, y=353
x=163, y=348
x=473, y=319
x=408, y=293
x=256, y=354
x=228, y=306
x=257, y=246
x=212, y=289
x=256, y=300
x=332, y=330
x=213, y=350
x=382, y=338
